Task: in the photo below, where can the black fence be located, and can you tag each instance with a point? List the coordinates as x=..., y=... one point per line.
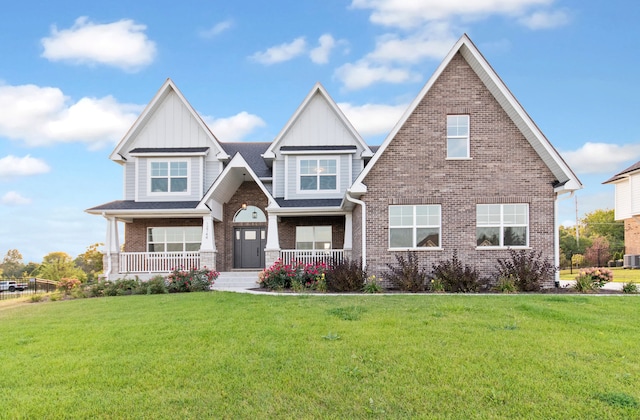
x=28, y=287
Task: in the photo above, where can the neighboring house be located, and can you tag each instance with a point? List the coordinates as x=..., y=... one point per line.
x=464, y=169
x=627, y=208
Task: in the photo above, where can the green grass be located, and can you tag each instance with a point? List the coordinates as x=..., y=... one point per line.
x=225, y=355
x=620, y=275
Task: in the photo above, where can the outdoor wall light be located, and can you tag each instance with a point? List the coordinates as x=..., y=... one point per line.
x=244, y=206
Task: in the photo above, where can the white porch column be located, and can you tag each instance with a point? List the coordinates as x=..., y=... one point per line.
x=348, y=231
x=111, y=259
x=272, y=248
x=208, y=242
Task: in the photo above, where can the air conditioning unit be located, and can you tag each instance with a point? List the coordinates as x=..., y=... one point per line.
x=631, y=261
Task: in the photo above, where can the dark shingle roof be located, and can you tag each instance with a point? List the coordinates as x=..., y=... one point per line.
x=169, y=150
x=252, y=153
x=632, y=168
x=146, y=205
x=313, y=202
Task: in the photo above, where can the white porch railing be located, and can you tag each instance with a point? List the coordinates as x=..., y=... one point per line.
x=308, y=256
x=157, y=262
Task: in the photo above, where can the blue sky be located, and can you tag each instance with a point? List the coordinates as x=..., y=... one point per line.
x=74, y=75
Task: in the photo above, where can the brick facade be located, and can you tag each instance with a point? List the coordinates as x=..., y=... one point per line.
x=413, y=169
x=632, y=236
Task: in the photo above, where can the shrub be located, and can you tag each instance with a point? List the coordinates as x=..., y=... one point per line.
x=455, y=277
x=194, y=280
x=65, y=285
x=630, y=288
x=529, y=269
x=155, y=286
x=297, y=276
x=436, y=286
x=346, y=276
x=121, y=287
x=599, y=276
x=584, y=284
x=407, y=275
x=506, y=284
x=36, y=297
x=371, y=285
x=277, y=277
x=96, y=289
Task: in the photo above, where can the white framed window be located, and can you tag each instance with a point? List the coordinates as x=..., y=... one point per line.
x=174, y=239
x=458, y=137
x=502, y=225
x=313, y=237
x=317, y=174
x=415, y=226
x=169, y=176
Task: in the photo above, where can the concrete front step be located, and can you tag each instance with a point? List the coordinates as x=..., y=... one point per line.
x=237, y=279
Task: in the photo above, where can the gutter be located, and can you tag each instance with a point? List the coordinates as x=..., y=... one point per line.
x=364, y=225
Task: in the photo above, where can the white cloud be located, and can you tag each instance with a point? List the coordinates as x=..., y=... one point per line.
x=363, y=73
x=234, y=128
x=372, y=119
x=217, y=29
x=122, y=44
x=13, y=166
x=282, y=52
x=545, y=20
x=44, y=115
x=412, y=14
x=601, y=158
x=433, y=41
x=13, y=198
x=320, y=54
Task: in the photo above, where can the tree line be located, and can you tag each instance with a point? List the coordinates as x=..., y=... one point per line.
x=597, y=241
x=54, y=266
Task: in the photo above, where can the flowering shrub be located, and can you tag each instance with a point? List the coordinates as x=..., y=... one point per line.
x=599, y=276
x=66, y=284
x=194, y=280
x=285, y=276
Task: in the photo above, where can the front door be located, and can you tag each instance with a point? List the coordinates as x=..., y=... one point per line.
x=249, y=246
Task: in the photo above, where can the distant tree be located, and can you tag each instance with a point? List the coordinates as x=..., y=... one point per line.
x=598, y=253
x=569, y=242
x=58, y=265
x=12, y=265
x=91, y=261
x=603, y=223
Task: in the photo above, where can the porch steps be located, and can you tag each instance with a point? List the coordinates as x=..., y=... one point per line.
x=229, y=280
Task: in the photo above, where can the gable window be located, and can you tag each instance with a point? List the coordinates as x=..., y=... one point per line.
x=169, y=177
x=457, y=136
x=502, y=225
x=313, y=237
x=318, y=174
x=414, y=226
x=174, y=239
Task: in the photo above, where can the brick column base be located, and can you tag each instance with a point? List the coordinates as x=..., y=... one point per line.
x=270, y=257
x=208, y=259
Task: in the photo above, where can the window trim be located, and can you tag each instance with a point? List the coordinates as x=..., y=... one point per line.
x=168, y=177
x=317, y=158
x=467, y=137
x=415, y=227
x=165, y=242
x=502, y=226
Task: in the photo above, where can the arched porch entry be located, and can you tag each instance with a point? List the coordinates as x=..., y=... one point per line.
x=250, y=237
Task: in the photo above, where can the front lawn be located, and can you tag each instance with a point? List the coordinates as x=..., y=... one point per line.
x=226, y=355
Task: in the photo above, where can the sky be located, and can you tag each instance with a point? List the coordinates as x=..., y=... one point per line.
x=74, y=76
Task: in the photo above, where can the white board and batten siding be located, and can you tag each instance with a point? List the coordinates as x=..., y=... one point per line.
x=627, y=197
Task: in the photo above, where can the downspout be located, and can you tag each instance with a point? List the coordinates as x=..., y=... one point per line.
x=364, y=226
x=556, y=233
x=107, y=273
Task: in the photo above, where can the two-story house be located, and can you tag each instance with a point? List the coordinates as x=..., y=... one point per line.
x=464, y=169
x=627, y=208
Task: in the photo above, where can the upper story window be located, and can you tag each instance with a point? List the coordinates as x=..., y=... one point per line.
x=174, y=239
x=458, y=137
x=169, y=176
x=318, y=174
x=502, y=225
x=414, y=226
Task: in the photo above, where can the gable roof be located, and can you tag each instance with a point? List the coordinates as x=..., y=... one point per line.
x=145, y=116
x=252, y=154
x=317, y=89
x=567, y=179
x=624, y=173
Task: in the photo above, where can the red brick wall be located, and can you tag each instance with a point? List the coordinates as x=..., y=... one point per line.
x=632, y=237
x=503, y=168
